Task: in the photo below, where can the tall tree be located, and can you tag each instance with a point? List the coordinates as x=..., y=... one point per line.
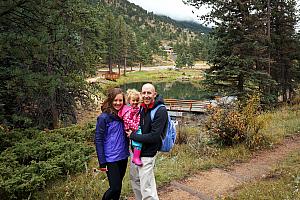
x=239, y=59
x=144, y=54
x=284, y=45
x=47, y=50
x=122, y=41
x=133, y=48
x=110, y=40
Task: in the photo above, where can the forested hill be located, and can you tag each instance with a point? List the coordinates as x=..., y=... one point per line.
x=193, y=26
x=149, y=33
x=137, y=16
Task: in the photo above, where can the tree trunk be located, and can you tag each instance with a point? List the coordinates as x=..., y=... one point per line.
x=269, y=36
x=125, y=66
x=54, y=112
x=140, y=66
x=110, y=64
x=241, y=84
x=53, y=107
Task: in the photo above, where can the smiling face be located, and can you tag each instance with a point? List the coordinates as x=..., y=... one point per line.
x=118, y=102
x=148, y=94
x=134, y=101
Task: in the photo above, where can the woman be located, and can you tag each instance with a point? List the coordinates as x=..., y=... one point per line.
x=111, y=143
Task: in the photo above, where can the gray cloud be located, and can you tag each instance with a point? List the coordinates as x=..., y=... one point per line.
x=174, y=9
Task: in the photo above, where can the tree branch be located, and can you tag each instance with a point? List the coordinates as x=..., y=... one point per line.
x=12, y=8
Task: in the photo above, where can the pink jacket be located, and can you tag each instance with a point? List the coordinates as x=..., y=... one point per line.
x=130, y=117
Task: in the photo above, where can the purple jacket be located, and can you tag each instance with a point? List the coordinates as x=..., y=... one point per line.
x=110, y=139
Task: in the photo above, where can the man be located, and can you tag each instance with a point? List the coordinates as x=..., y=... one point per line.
x=142, y=177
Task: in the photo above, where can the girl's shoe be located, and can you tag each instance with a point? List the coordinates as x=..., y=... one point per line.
x=136, y=157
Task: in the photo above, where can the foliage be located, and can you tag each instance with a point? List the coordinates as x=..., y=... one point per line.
x=47, y=50
x=256, y=48
x=226, y=126
x=237, y=124
x=285, y=47
x=31, y=159
x=189, y=51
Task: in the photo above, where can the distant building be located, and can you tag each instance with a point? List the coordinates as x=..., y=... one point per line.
x=168, y=49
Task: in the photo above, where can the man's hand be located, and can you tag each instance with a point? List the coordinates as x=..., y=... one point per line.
x=128, y=133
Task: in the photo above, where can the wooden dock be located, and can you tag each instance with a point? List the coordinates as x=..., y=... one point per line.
x=195, y=106
x=111, y=76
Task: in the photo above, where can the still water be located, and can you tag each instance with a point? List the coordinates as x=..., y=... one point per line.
x=174, y=90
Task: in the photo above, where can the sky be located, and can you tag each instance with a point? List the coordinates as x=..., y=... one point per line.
x=174, y=9
x=177, y=10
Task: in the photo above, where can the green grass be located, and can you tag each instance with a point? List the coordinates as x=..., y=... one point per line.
x=141, y=76
x=282, y=183
x=281, y=123
x=198, y=153
x=154, y=76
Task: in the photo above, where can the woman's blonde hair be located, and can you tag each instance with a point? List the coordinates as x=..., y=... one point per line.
x=131, y=93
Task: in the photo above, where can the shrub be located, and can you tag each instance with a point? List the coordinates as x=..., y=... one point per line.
x=226, y=126
x=181, y=137
x=29, y=163
x=237, y=124
x=255, y=139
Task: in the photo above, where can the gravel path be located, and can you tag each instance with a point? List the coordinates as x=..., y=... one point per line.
x=216, y=183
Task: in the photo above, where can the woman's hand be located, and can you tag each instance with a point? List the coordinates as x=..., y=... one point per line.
x=103, y=168
x=128, y=132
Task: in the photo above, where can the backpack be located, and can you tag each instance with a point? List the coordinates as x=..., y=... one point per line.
x=169, y=140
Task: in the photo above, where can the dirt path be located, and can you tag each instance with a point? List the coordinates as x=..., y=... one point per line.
x=219, y=182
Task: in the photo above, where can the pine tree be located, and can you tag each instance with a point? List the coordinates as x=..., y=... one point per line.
x=241, y=51
x=133, y=49
x=110, y=40
x=122, y=42
x=284, y=46
x=47, y=50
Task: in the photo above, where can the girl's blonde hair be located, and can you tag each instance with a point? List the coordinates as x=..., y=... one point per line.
x=131, y=93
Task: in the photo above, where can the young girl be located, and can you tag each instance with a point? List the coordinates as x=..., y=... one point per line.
x=112, y=143
x=131, y=117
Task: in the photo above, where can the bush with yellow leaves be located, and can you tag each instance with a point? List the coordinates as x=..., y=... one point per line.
x=238, y=123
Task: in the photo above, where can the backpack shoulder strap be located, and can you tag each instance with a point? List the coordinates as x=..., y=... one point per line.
x=152, y=113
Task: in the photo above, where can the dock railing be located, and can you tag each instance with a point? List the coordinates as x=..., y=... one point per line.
x=187, y=105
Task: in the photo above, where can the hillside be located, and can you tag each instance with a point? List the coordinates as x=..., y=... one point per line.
x=152, y=34
x=150, y=26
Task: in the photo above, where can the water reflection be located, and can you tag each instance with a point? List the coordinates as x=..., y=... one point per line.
x=174, y=90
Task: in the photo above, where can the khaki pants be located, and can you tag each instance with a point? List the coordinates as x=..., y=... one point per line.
x=142, y=179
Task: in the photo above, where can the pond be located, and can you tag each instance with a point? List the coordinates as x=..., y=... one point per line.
x=174, y=90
